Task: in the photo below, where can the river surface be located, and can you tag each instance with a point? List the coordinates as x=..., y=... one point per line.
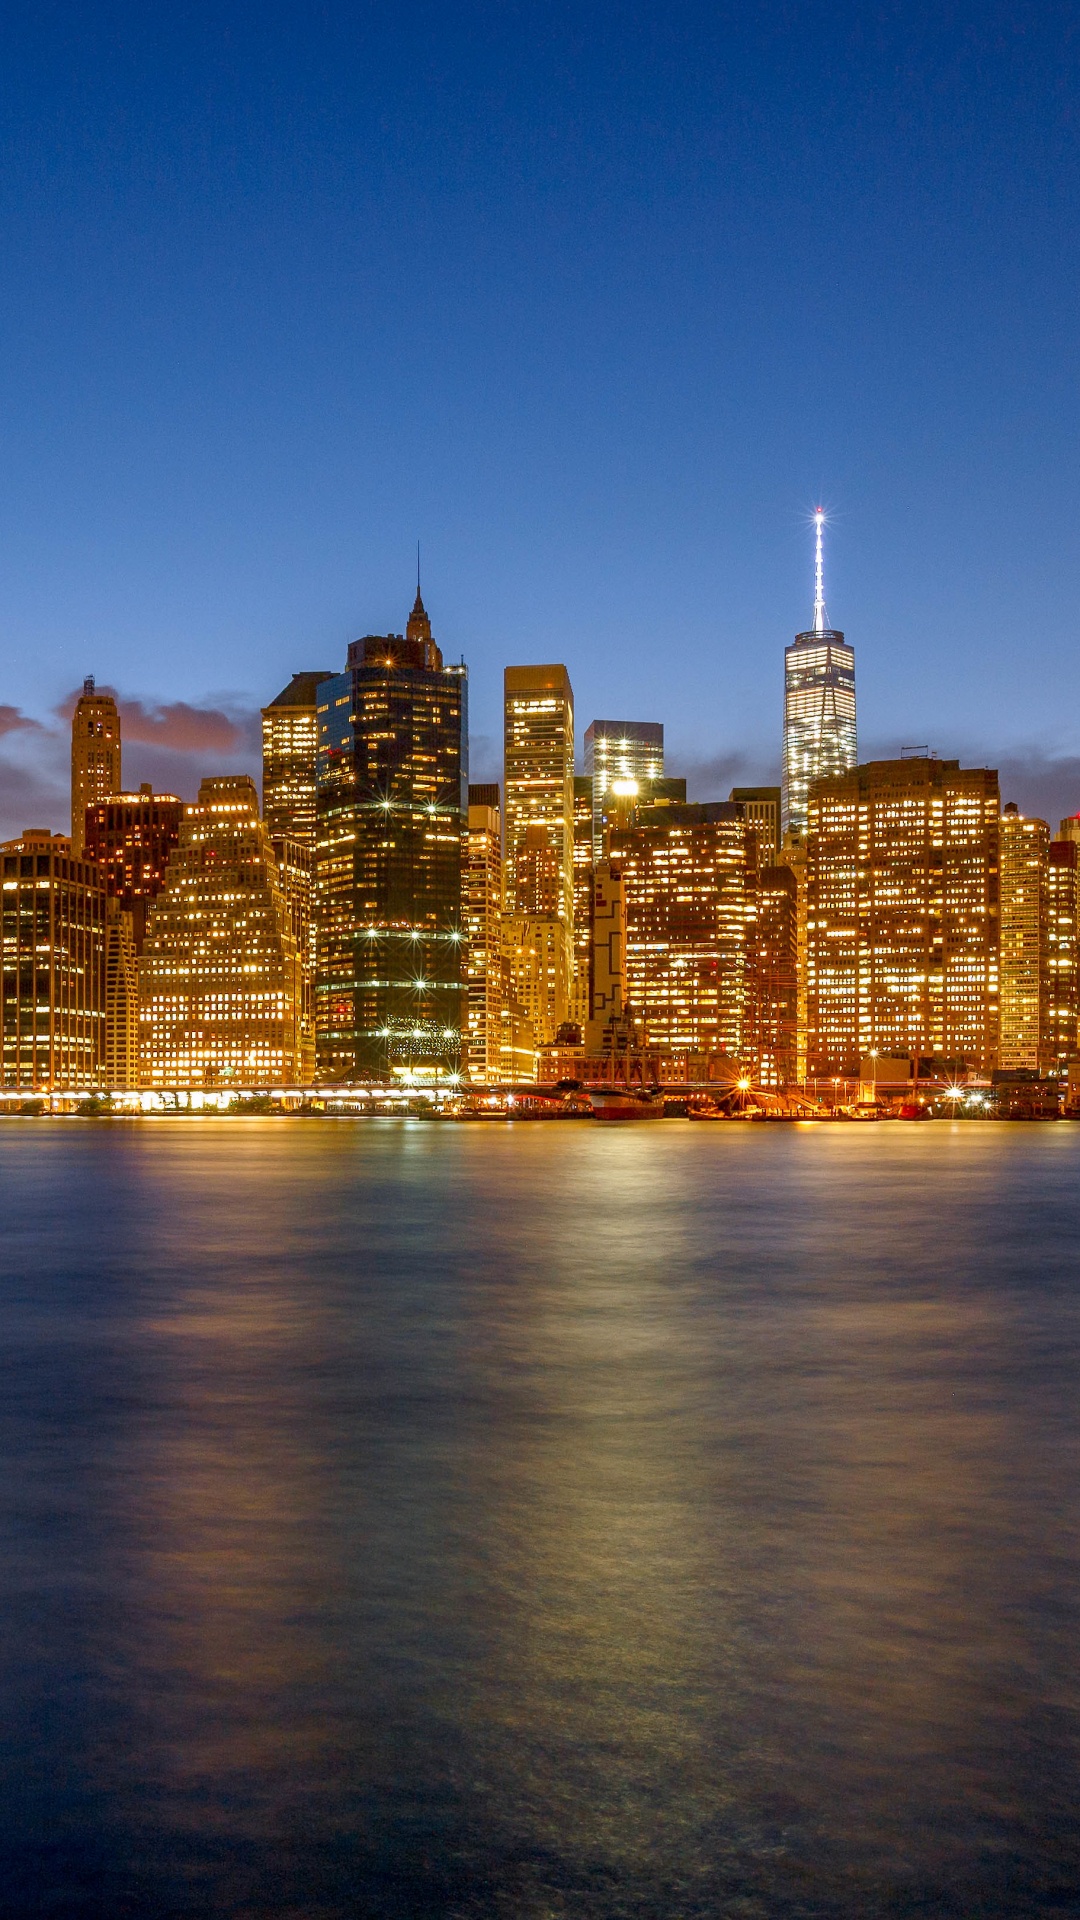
x=673, y=1521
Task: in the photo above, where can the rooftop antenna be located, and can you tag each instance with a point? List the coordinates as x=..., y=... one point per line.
x=820, y=621
x=418, y=569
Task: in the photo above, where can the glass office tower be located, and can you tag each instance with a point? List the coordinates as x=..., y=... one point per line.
x=392, y=807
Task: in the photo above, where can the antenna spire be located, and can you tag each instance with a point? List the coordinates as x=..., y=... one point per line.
x=820, y=617
x=418, y=569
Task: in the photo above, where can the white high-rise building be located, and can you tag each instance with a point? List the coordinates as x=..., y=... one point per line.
x=819, y=705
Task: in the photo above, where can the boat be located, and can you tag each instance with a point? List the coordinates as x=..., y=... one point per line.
x=625, y=1103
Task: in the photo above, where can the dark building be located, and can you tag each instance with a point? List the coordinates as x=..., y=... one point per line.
x=776, y=978
x=131, y=836
x=391, y=817
x=1062, y=965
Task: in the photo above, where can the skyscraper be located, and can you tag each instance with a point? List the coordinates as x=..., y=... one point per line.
x=689, y=878
x=482, y=912
x=52, y=965
x=95, y=756
x=290, y=738
x=1060, y=1022
x=538, y=826
x=220, y=978
x=131, y=836
x=583, y=888
x=819, y=705
x=1025, y=988
x=902, y=914
x=623, y=757
x=392, y=813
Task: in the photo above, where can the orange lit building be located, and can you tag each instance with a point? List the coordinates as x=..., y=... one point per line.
x=1025, y=847
x=95, y=756
x=538, y=805
x=689, y=875
x=52, y=965
x=902, y=915
x=1062, y=972
x=482, y=920
x=221, y=981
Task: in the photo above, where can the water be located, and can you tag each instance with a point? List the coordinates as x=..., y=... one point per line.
x=536, y=1521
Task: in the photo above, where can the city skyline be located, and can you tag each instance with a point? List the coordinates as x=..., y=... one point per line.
x=171, y=742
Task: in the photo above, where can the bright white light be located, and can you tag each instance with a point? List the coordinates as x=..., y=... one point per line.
x=819, y=572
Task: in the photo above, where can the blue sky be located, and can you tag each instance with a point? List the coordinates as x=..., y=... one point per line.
x=596, y=302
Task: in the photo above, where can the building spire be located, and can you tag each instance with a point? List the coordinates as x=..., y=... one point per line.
x=820, y=618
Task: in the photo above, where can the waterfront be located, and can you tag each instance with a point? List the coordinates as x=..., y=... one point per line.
x=540, y=1521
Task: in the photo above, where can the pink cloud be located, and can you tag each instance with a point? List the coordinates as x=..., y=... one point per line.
x=12, y=720
x=177, y=725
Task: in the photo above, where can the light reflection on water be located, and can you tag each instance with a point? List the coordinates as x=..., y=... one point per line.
x=540, y=1520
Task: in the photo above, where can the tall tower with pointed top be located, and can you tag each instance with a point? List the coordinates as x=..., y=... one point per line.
x=95, y=756
x=819, y=702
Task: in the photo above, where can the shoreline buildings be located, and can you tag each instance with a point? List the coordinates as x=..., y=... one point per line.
x=381, y=923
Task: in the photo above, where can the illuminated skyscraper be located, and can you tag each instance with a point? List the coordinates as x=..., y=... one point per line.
x=392, y=813
x=290, y=737
x=95, y=756
x=130, y=836
x=1062, y=972
x=902, y=915
x=625, y=758
x=689, y=877
x=538, y=825
x=220, y=978
x=583, y=886
x=1025, y=995
x=819, y=705
x=482, y=914
x=52, y=965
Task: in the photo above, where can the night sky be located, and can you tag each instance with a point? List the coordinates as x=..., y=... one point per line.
x=596, y=302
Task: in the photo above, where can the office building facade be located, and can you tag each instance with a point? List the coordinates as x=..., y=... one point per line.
x=1062, y=970
x=623, y=758
x=392, y=820
x=482, y=892
x=902, y=915
x=1025, y=991
x=221, y=1000
x=538, y=813
x=130, y=836
x=290, y=739
x=52, y=965
x=689, y=878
